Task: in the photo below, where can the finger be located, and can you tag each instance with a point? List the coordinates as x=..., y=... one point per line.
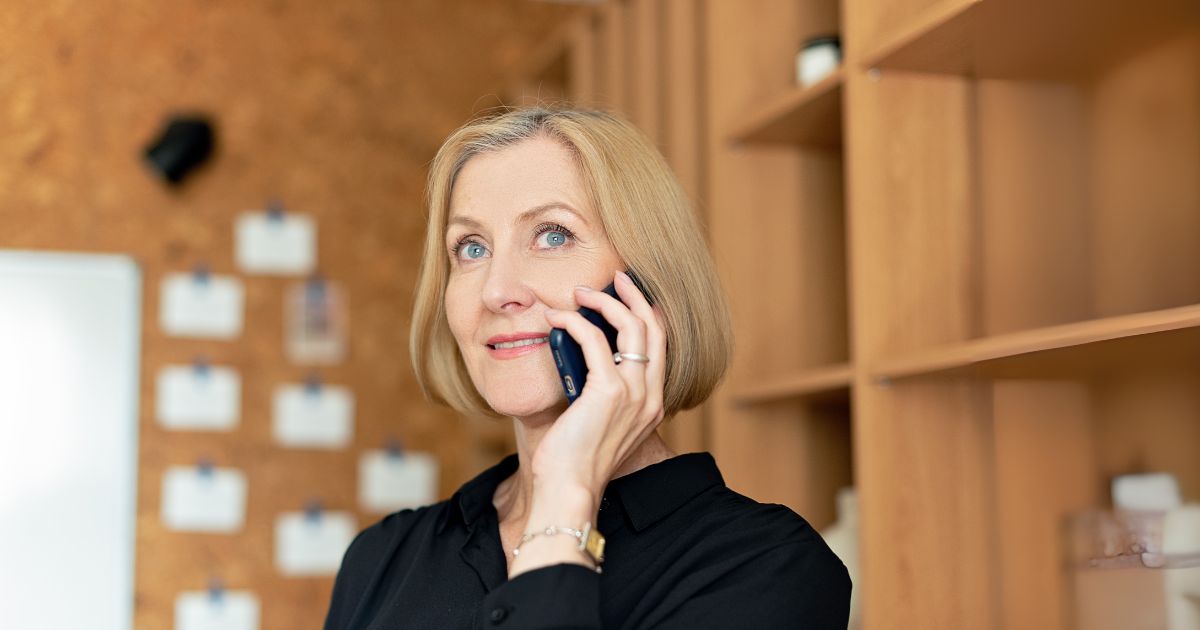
x=596, y=353
x=631, y=337
x=631, y=330
x=656, y=337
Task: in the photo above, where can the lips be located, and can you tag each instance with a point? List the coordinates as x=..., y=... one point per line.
x=517, y=344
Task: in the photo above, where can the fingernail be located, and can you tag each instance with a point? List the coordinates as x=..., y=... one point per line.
x=582, y=288
x=551, y=311
x=623, y=275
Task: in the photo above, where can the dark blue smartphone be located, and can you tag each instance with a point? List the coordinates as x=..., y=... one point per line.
x=568, y=355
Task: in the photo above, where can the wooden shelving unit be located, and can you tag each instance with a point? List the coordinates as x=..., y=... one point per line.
x=1026, y=269
x=964, y=269
x=782, y=425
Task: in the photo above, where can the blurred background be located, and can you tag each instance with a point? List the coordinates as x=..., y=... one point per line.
x=960, y=238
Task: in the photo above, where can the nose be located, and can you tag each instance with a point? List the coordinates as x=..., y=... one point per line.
x=504, y=289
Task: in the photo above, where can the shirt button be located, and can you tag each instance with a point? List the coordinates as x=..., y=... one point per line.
x=603, y=502
x=498, y=615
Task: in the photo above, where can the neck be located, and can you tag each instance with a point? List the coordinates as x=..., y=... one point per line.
x=512, y=499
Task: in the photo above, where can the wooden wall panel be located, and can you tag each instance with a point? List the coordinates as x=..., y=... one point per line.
x=584, y=60
x=682, y=143
x=333, y=109
x=1032, y=170
x=646, y=66
x=912, y=212
x=1145, y=186
x=923, y=464
x=614, y=73
x=1045, y=470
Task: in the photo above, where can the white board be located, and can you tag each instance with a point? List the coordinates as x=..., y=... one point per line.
x=69, y=334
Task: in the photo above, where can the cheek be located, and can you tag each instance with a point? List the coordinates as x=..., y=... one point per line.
x=556, y=283
x=459, y=314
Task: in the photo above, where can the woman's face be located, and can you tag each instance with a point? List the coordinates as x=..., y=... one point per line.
x=521, y=235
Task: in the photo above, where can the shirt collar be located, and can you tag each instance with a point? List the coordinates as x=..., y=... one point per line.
x=644, y=496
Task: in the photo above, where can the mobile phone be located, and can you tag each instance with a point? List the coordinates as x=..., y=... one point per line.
x=568, y=355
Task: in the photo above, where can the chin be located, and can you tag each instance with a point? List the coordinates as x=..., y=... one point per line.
x=522, y=400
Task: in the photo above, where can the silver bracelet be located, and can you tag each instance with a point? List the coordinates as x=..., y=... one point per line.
x=550, y=531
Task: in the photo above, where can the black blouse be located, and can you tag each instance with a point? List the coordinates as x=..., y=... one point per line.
x=683, y=551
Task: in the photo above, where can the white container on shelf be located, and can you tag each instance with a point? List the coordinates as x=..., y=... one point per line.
x=1181, y=538
x=819, y=57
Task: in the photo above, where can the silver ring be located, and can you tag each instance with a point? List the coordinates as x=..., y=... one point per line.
x=629, y=356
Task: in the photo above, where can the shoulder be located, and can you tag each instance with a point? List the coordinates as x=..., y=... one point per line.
x=764, y=560
x=392, y=529
x=368, y=553
x=747, y=529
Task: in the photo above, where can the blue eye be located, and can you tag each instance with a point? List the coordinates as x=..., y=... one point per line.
x=553, y=236
x=475, y=250
x=467, y=249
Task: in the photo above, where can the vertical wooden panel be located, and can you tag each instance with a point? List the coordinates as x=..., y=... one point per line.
x=924, y=474
x=912, y=221
x=614, y=48
x=1045, y=471
x=922, y=449
x=682, y=141
x=583, y=61
x=645, y=66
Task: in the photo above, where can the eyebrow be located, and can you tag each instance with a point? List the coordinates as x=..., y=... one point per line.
x=524, y=216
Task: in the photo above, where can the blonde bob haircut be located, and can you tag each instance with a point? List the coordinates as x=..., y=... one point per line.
x=647, y=219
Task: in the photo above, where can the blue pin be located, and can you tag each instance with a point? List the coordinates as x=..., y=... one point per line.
x=312, y=385
x=275, y=211
x=312, y=510
x=315, y=286
x=205, y=467
x=200, y=274
x=201, y=367
x=395, y=448
x=216, y=590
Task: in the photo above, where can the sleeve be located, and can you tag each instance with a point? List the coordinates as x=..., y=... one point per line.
x=557, y=597
x=363, y=561
x=350, y=584
x=794, y=585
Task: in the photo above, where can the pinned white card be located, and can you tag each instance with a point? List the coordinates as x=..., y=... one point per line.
x=393, y=481
x=313, y=416
x=227, y=610
x=312, y=544
x=280, y=243
x=201, y=305
x=203, y=499
x=198, y=398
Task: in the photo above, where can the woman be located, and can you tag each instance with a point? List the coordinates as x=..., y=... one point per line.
x=530, y=212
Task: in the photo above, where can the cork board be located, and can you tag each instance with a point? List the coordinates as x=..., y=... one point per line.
x=333, y=108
